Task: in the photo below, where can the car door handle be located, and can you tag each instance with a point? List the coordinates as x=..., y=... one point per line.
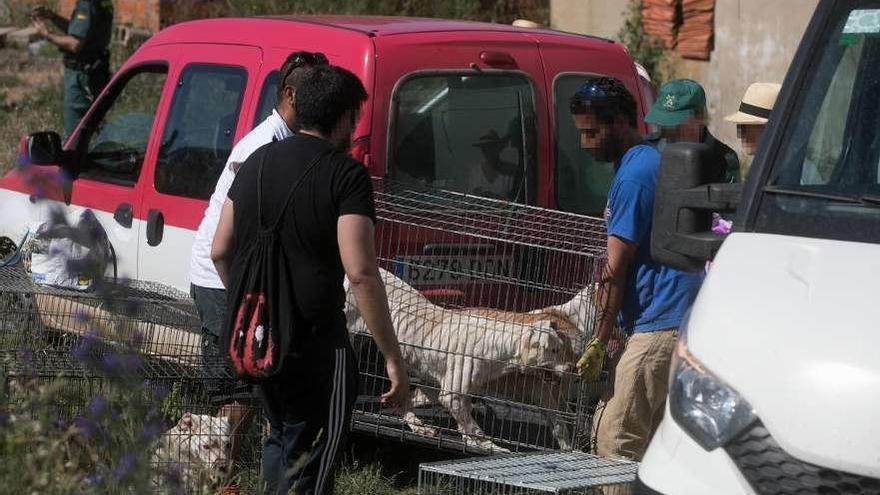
x=155, y=227
x=123, y=215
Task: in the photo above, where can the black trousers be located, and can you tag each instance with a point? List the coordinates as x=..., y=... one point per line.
x=308, y=406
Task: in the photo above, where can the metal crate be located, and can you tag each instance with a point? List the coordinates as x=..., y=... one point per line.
x=566, y=473
x=157, y=322
x=475, y=268
x=84, y=344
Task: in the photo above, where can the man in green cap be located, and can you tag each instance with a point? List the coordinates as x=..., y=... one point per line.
x=86, y=57
x=680, y=112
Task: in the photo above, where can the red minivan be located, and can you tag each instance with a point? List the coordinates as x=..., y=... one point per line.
x=149, y=151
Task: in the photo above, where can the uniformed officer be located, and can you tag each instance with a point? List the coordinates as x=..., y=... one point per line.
x=86, y=55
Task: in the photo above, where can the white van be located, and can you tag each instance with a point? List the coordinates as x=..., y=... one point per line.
x=775, y=384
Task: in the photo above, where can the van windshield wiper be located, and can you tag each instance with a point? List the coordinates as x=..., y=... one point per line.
x=865, y=199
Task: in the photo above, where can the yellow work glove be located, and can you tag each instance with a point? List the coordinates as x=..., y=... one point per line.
x=590, y=364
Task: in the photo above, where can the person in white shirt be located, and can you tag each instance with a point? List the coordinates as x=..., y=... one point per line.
x=206, y=287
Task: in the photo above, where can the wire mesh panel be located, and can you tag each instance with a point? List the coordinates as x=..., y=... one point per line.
x=133, y=348
x=158, y=322
x=492, y=302
x=567, y=473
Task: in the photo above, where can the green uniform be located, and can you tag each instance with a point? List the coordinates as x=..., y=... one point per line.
x=87, y=72
x=724, y=156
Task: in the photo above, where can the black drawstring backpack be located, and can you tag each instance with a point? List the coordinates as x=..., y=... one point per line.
x=260, y=322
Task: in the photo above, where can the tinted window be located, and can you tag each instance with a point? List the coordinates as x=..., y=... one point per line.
x=467, y=133
x=825, y=182
x=581, y=182
x=117, y=143
x=268, y=98
x=199, y=132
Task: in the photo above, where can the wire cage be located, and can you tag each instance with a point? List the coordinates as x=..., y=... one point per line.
x=569, y=473
x=158, y=322
x=492, y=302
x=80, y=344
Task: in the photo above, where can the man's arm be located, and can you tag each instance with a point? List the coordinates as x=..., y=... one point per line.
x=67, y=43
x=57, y=20
x=356, y=233
x=611, y=285
x=221, y=247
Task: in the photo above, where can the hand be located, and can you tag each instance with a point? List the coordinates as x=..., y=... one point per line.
x=41, y=28
x=590, y=364
x=398, y=394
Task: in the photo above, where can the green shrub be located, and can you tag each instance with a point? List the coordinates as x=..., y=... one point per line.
x=642, y=47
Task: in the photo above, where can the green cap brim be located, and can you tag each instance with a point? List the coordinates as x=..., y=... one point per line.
x=663, y=118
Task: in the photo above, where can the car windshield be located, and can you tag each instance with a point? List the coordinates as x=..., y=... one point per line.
x=825, y=182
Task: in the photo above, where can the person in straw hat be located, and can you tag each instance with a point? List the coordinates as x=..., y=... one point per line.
x=754, y=110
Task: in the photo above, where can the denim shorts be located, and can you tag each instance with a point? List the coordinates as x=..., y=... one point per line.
x=220, y=386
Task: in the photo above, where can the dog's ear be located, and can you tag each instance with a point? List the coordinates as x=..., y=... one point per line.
x=186, y=423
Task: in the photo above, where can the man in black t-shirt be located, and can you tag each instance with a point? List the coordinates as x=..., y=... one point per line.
x=326, y=233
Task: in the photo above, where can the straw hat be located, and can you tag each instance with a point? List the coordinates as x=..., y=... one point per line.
x=756, y=104
x=525, y=23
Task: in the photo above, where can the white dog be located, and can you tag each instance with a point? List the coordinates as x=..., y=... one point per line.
x=199, y=445
x=459, y=352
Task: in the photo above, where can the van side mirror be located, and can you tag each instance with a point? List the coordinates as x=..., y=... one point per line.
x=43, y=148
x=687, y=194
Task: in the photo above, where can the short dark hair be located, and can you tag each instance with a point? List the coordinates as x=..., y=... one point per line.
x=605, y=97
x=294, y=67
x=324, y=95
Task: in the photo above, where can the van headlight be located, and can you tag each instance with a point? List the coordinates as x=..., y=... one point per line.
x=708, y=409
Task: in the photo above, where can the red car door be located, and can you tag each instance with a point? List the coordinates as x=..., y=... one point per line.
x=214, y=88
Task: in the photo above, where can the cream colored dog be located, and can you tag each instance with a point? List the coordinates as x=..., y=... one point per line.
x=458, y=353
x=199, y=445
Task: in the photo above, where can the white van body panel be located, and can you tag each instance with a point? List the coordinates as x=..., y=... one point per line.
x=792, y=323
x=676, y=464
x=17, y=214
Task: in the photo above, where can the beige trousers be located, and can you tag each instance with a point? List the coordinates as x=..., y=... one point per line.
x=627, y=417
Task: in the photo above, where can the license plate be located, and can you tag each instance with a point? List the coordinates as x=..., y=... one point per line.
x=451, y=270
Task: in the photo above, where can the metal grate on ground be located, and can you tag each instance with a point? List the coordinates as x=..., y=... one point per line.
x=566, y=473
x=470, y=280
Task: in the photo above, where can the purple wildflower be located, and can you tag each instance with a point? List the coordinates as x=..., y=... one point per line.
x=125, y=466
x=97, y=407
x=85, y=426
x=92, y=479
x=720, y=225
x=152, y=429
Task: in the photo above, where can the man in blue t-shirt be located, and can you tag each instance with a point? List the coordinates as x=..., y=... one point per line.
x=645, y=299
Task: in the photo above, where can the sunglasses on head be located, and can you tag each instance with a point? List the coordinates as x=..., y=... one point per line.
x=591, y=90
x=303, y=59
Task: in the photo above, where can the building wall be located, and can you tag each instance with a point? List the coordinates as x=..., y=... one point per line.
x=153, y=15
x=597, y=17
x=755, y=40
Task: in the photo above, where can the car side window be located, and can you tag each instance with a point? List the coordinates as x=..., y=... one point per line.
x=198, y=134
x=582, y=182
x=268, y=98
x=116, y=144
